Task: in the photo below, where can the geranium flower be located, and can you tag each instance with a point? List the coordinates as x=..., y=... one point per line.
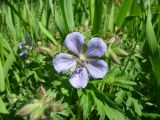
x=85, y=64
x=25, y=47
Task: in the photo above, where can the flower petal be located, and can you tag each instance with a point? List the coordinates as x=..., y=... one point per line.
x=74, y=42
x=79, y=78
x=96, y=47
x=21, y=45
x=97, y=69
x=62, y=62
x=24, y=52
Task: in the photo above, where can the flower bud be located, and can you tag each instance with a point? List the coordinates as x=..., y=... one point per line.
x=57, y=35
x=115, y=57
x=123, y=52
x=113, y=39
x=42, y=91
x=27, y=109
x=58, y=108
x=120, y=52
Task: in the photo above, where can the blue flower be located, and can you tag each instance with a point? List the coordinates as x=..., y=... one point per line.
x=23, y=52
x=21, y=45
x=84, y=64
x=25, y=47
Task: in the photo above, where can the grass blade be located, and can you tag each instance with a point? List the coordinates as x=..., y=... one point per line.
x=125, y=7
x=2, y=80
x=67, y=13
x=98, y=12
x=151, y=37
x=46, y=32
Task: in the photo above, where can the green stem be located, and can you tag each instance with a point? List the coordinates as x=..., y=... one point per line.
x=130, y=55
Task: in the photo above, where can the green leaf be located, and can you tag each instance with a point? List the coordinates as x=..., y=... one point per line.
x=3, y=107
x=91, y=10
x=111, y=18
x=67, y=13
x=151, y=115
x=85, y=102
x=60, y=23
x=137, y=107
x=46, y=32
x=134, y=102
x=99, y=106
x=8, y=63
x=124, y=9
x=98, y=12
x=114, y=114
x=151, y=37
x=15, y=11
x=2, y=79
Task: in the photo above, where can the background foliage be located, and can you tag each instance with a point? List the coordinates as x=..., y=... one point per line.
x=129, y=91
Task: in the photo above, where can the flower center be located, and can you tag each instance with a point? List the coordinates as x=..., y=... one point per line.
x=82, y=60
x=82, y=57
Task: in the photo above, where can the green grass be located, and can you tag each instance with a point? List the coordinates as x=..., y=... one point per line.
x=129, y=91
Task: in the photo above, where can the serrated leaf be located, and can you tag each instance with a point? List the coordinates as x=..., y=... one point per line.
x=137, y=107
x=8, y=63
x=3, y=107
x=85, y=102
x=100, y=107
x=114, y=114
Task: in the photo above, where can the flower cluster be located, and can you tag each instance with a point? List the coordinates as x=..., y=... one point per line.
x=84, y=63
x=25, y=47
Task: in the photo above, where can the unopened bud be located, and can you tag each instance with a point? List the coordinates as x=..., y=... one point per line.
x=113, y=39
x=123, y=52
x=57, y=35
x=42, y=91
x=115, y=58
x=58, y=108
x=27, y=109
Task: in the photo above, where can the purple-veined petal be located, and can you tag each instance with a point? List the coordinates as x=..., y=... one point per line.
x=79, y=78
x=97, y=69
x=74, y=42
x=96, y=47
x=62, y=62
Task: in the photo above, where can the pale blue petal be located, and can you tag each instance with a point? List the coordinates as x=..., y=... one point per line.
x=21, y=45
x=62, y=62
x=97, y=69
x=96, y=47
x=74, y=42
x=24, y=52
x=79, y=78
